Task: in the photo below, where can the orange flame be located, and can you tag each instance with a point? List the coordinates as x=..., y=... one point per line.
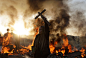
x=6, y=41
x=52, y=48
x=65, y=40
x=70, y=48
x=83, y=51
x=36, y=31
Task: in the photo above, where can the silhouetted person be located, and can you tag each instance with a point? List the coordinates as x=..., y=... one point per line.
x=6, y=34
x=41, y=43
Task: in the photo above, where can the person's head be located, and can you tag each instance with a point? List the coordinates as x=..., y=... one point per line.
x=41, y=30
x=7, y=30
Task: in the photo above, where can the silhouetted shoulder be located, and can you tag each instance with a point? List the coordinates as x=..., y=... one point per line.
x=37, y=36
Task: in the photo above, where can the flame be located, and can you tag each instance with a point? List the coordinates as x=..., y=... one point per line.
x=55, y=43
x=37, y=29
x=6, y=41
x=65, y=40
x=74, y=49
x=6, y=49
x=70, y=48
x=83, y=52
x=52, y=48
x=63, y=52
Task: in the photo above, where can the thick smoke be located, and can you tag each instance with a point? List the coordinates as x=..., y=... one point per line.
x=60, y=23
x=56, y=12
x=35, y=5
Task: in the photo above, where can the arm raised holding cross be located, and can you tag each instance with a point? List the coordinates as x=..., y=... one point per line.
x=41, y=43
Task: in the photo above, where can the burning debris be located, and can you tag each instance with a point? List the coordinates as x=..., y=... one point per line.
x=16, y=17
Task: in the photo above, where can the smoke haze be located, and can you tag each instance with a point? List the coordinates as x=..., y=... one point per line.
x=64, y=15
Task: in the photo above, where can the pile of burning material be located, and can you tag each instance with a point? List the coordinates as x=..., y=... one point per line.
x=7, y=47
x=65, y=50
x=11, y=47
x=58, y=48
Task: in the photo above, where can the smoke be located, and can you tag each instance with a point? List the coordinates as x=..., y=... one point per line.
x=12, y=14
x=35, y=5
x=52, y=7
x=60, y=23
x=78, y=20
x=62, y=14
x=1, y=12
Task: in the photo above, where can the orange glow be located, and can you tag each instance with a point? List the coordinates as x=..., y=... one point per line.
x=55, y=43
x=75, y=49
x=29, y=47
x=52, y=48
x=56, y=51
x=70, y=48
x=6, y=41
x=6, y=49
x=63, y=52
x=83, y=51
x=37, y=30
x=65, y=40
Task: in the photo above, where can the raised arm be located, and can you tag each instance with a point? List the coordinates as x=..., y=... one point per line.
x=46, y=25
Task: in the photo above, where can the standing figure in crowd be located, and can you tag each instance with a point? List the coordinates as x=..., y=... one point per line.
x=41, y=43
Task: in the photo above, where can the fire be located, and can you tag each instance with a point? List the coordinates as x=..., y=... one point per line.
x=63, y=52
x=74, y=49
x=37, y=29
x=52, y=48
x=6, y=49
x=65, y=40
x=6, y=41
x=83, y=51
x=55, y=43
x=70, y=48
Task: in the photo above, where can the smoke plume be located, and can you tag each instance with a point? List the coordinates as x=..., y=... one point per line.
x=35, y=5
x=60, y=23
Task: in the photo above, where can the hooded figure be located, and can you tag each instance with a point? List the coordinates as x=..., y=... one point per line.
x=41, y=43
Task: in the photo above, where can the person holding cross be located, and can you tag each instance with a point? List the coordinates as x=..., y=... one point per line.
x=41, y=42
